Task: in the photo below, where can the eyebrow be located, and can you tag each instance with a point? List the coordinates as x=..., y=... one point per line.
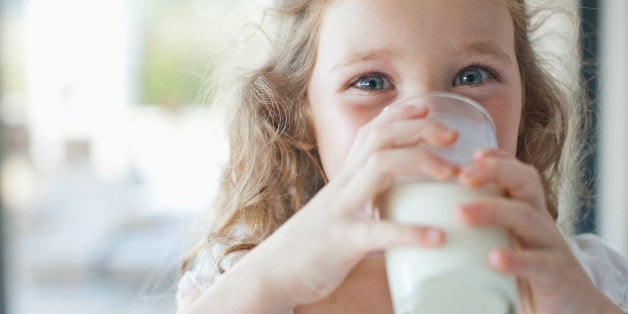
x=486, y=47
x=363, y=57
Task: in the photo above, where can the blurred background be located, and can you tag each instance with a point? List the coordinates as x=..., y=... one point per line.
x=109, y=155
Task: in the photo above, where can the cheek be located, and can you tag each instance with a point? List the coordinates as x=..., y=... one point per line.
x=335, y=135
x=336, y=123
x=506, y=114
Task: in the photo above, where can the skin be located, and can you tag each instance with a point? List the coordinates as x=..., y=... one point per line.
x=420, y=48
x=317, y=261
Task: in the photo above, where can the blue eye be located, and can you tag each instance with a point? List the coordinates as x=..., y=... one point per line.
x=373, y=82
x=472, y=76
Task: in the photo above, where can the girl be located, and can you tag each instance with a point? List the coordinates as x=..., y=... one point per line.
x=312, y=148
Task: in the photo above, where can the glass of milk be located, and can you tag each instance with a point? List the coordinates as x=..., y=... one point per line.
x=455, y=278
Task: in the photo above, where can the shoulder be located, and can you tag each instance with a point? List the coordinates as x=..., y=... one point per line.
x=607, y=269
x=204, y=272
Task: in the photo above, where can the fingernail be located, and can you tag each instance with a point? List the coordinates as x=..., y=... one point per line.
x=479, y=153
x=450, y=135
x=449, y=171
x=501, y=260
x=433, y=235
x=417, y=109
x=465, y=210
x=494, y=258
x=469, y=172
x=471, y=177
x=409, y=106
x=469, y=213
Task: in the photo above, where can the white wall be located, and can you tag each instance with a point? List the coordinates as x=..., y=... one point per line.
x=613, y=188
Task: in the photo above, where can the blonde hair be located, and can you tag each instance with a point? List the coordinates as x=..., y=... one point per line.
x=274, y=169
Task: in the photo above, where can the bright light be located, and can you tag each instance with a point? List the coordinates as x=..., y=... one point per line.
x=77, y=79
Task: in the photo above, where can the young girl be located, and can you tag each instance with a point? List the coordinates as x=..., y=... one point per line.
x=312, y=148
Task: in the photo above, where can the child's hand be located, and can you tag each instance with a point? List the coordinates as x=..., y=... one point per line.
x=551, y=280
x=312, y=253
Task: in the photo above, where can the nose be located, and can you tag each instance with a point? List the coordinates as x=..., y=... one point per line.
x=423, y=81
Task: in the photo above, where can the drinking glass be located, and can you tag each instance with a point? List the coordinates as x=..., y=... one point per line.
x=455, y=278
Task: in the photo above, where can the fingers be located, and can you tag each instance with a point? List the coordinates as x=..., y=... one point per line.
x=401, y=126
x=387, y=147
x=530, y=227
x=400, y=112
x=537, y=266
x=381, y=168
x=551, y=282
x=518, y=180
x=379, y=235
x=410, y=132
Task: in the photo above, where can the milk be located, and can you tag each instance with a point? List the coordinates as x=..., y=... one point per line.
x=455, y=278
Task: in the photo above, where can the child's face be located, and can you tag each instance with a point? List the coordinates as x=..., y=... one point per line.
x=372, y=53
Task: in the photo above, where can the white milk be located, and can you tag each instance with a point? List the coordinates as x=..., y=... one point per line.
x=455, y=278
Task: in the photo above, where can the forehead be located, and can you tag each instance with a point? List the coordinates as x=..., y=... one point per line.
x=351, y=26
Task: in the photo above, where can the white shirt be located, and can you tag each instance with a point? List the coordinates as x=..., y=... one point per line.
x=606, y=268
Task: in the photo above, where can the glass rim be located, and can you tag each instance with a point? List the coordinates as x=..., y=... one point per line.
x=456, y=96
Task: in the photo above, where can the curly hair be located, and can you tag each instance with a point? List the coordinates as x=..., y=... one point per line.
x=274, y=169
